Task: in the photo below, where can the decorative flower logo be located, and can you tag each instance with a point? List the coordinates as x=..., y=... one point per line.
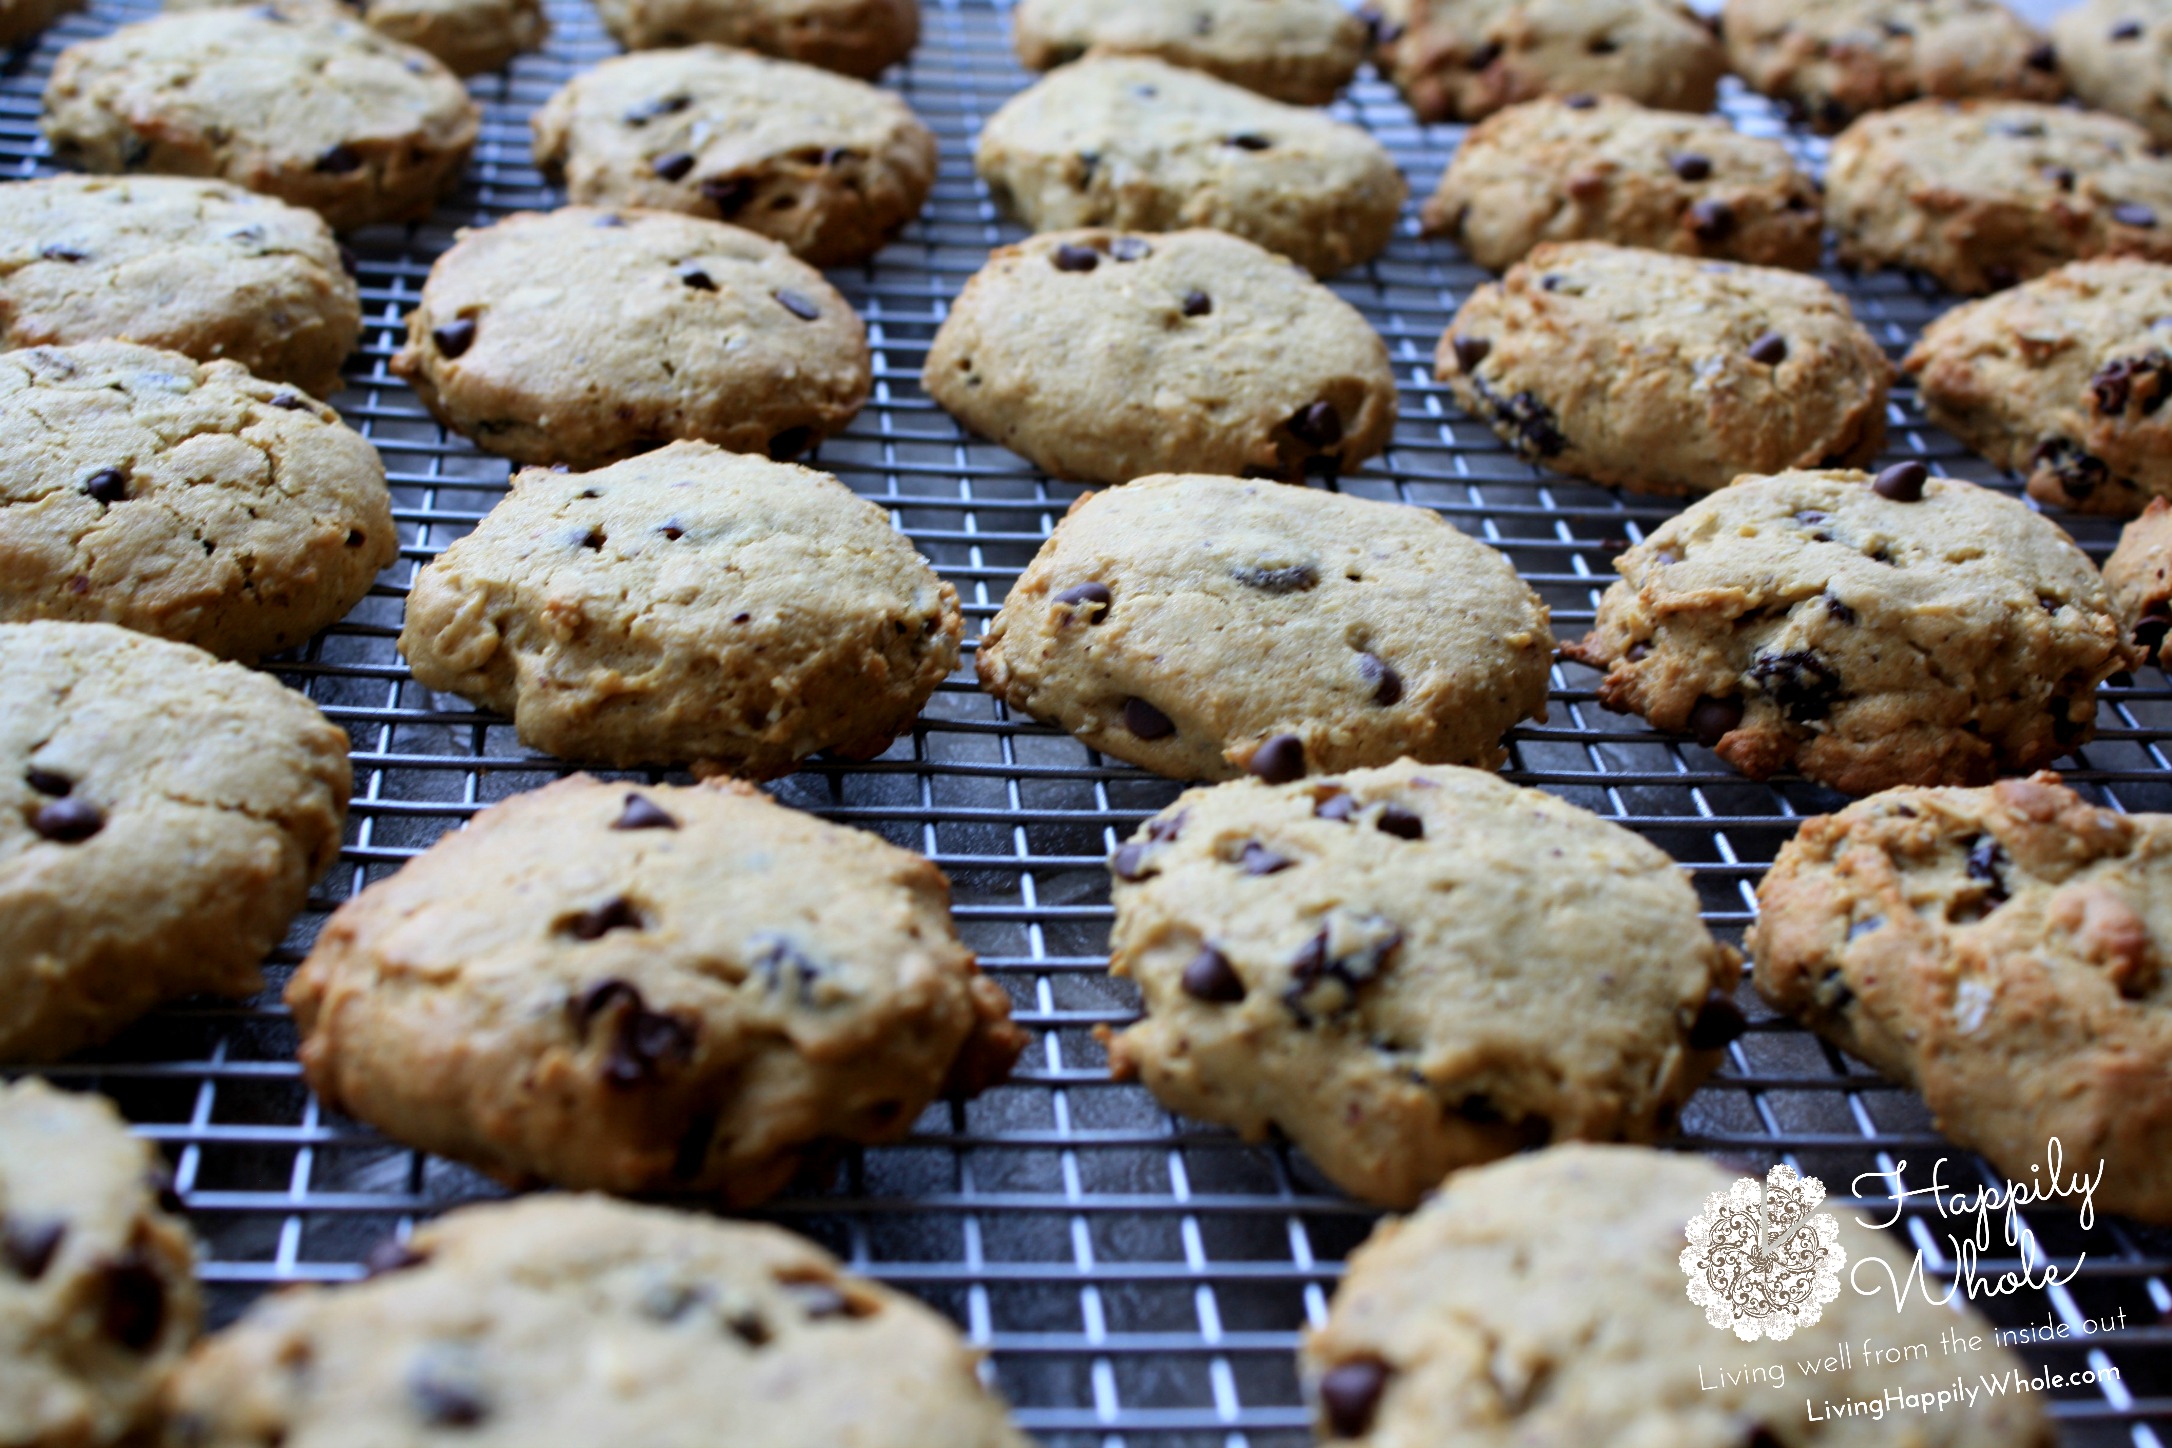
x=1761, y=1259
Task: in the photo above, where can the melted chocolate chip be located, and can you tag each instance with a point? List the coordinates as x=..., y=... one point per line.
x=1470, y=351
x=68, y=821
x=649, y=110
x=1073, y=258
x=2147, y=379
x=2130, y=213
x=29, y=1245
x=2079, y=473
x=1340, y=806
x=1317, y=426
x=616, y=913
x=1292, y=578
x=1089, y=601
x=1250, y=141
x=1350, y=1394
x=1770, y=349
x=1259, y=860
x=696, y=278
x=455, y=337
x=44, y=781
x=1711, y=220
x=134, y=1311
x=1278, y=760
x=798, y=304
x=1837, y=611
x=642, y=1041
x=107, y=485
x=1402, y=823
x=1719, y=1021
x=1802, y=684
x=1210, y=977
x=1197, y=303
x=1387, y=683
x=1690, y=166
x=1711, y=720
x=1987, y=862
x=391, y=1255
x=642, y=813
x=1902, y=482
x=673, y=165
x=1145, y=721
x=339, y=160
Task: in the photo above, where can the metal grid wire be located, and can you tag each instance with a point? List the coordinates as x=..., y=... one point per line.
x=1136, y=1279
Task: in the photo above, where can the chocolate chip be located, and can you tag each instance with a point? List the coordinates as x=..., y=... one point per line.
x=1209, y=977
x=1770, y=349
x=2042, y=57
x=57, y=252
x=592, y=539
x=107, y=485
x=1987, y=862
x=728, y=194
x=790, y=443
x=1146, y=721
x=1250, y=141
x=641, y=1041
x=2118, y=383
x=1279, y=760
x=1470, y=351
x=2150, y=630
x=1259, y=860
x=748, y=1327
x=1402, y=823
x=391, y=1255
x=642, y=813
x=455, y=337
x=616, y=913
x=2060, y=176
x=2065, y=728
x=134, y=1311
x=443, y=1389
x=1317, y=426
x=1711, y=720
x=1711, y=220
x=68, y=821
x=2129, y=213
x=2127, y=30
x=1129, y=862
x=2078, y=472
x=1690, y=165
x=1130, y=248
x=1902, y=482
x=30, y=1245
x=1580, y=102
x=1802, y=684
x=696, y=278
x=1197, y=304
x=1762, y=1436
x=1837, y=611
x=1089, y=601
x=1529, y=423
x=44, y=781
x=1719, y=1021
x=647, y=111
x=339, y=160
x=1483, y=56
x=289, y=402
x=1164, y=828
x=1387, y=684
x=1290, y=578
x=1339, y=806
x=1350, y=1392
x=1071, y=258
x=672, y=165
x=1601, y=45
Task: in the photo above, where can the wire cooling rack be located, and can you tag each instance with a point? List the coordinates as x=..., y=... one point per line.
x=1136, y=1279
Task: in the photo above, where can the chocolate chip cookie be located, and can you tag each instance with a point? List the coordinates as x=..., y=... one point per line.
x=1104, y=357
x=323, y=112
x=1983, y=194
x=583, y=336
x=1665, y=374
x=1866, y=631
x=97, y=1303
x=2139, y=576
x=522, y=1322
x=829, y=166
x=161, y=817
x=1412, y=969
x=1300, y=51
x=1202, y=626
x=2118, y=56
x=192, y=501
x=2063, y=380
x=854, y=37
x=687, y=606
x=1540, y=1300
x=653, y=988
x=2003, y=951
x=1600, y=168
x=470, y=36
x=1462, y=60
x=1131, y=143
x=22, y=20
x=1829, y=62
x=200, y=267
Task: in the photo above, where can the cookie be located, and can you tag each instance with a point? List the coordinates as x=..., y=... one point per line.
x=650, y=988
x=203, y=268
x=1829, y=61
x=1462, y=60
x=1202, y=626
x=1665, y=374
x=581, y=336
x=1599, y=168
x=469, y=36
x=97, y=1303
x=1868, y=632
x=853, y=37
x=829, y=166
x=22, y=20
x=161, y=817
x=1300, y=51
x=1541, y=1300
x=1105, y=357
x=2062, y=380
x=689, y=605
x=1983, y=194
x=192, y=501
x=1131, y=143
x=324, y=113
x=1411, y=969
x=2003, y=952
x=2118, y=56
x=550, y=1317
x=2139, y=577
